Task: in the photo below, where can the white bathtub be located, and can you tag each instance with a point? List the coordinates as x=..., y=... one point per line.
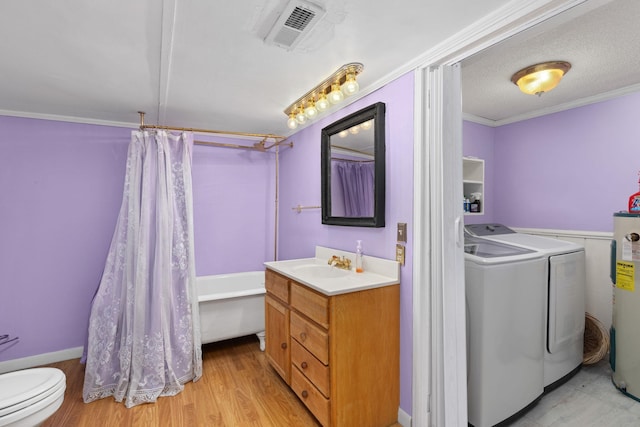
x=231, y=305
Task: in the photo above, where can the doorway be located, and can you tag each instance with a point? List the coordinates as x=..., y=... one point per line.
x=439, y=355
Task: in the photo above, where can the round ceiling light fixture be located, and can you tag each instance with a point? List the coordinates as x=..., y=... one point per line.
x=539, y=78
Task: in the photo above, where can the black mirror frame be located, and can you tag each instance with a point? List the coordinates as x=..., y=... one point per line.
x=376, y=112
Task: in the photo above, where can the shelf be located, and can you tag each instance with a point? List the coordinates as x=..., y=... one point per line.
x=473, y=180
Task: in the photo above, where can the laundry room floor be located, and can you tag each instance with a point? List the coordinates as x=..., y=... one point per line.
x=589, y=399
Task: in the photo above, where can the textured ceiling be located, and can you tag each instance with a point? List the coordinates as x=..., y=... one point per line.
x=203, y=63
x=600, y=40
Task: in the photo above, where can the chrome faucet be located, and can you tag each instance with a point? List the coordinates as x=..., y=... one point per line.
x=344, y=263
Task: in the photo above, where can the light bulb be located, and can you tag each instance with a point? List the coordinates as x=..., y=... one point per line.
x=540, y=81
x=366, y=125
x=300, y=117
x=292, y=123
x=350, y=86
x=322, y=103
x=354, y=130
x=343, y=134
x=335, y=96
x=311, y=111
x=539, y=78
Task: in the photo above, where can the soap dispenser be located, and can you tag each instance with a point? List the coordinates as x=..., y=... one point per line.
x=359, y=268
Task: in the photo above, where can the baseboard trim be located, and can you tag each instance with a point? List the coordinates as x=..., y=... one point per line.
x=404, y=419
x=40, y=359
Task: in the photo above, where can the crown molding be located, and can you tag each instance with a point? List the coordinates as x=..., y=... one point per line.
x=555, y=109
x=69, y=119
x=570, y=105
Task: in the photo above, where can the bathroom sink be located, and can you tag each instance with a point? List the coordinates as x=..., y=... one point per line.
x=320, y=271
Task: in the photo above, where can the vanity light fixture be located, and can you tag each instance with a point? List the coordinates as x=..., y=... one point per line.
x=539, y=78
x=330, y=91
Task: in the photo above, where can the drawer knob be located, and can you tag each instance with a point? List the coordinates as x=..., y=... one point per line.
x=283, y=345
x=305, y=394
x=303, y=336
x=304, y=365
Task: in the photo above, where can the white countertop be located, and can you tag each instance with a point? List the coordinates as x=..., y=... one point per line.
x=319, y=275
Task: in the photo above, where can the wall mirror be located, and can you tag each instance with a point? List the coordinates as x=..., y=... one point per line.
x=353, y=169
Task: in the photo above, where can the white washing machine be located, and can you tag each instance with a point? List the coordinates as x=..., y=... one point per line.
x=565, y=290
x=505, y=300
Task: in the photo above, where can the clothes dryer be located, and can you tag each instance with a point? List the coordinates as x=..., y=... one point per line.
x=565, y=293
x=505, y=301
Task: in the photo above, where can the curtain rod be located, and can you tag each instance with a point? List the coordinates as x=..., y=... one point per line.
x=258, y=146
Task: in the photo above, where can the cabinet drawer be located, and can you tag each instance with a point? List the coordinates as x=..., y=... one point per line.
x=277, y=285
x=314, y=339
x=312, y=304
x=312, y=368
x=310, y=396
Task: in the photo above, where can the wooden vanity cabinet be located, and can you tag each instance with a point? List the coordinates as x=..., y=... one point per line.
x=277, y=346
x=342, y=350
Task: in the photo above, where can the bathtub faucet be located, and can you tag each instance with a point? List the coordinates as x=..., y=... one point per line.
x=344, y=263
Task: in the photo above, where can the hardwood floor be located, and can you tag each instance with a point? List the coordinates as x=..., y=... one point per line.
x=238, y=388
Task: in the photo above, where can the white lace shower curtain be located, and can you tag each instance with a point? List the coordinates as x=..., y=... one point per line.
x=144, y=328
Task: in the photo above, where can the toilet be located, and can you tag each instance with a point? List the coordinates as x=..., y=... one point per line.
x=30, y=396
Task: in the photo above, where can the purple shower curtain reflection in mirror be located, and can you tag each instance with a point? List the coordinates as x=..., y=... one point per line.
x=353, y=196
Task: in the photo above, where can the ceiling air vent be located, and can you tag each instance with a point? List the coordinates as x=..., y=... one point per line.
x=294, y=22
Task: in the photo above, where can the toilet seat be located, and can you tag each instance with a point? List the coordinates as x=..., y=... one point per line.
x=26, y=392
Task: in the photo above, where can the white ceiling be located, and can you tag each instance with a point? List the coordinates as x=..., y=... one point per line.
x=204, y=64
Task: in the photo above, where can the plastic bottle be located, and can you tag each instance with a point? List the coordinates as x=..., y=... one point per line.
x=634, y=200
x=359, y=268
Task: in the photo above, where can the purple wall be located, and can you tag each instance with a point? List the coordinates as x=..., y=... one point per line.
x=61, y=189
x=233, y=208
x=478, y=141
x=569, y=170
x=300, y=184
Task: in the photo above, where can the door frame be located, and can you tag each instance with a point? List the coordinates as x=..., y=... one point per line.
x=439, y=335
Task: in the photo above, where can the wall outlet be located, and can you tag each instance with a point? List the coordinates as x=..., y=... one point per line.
x=400, y=254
